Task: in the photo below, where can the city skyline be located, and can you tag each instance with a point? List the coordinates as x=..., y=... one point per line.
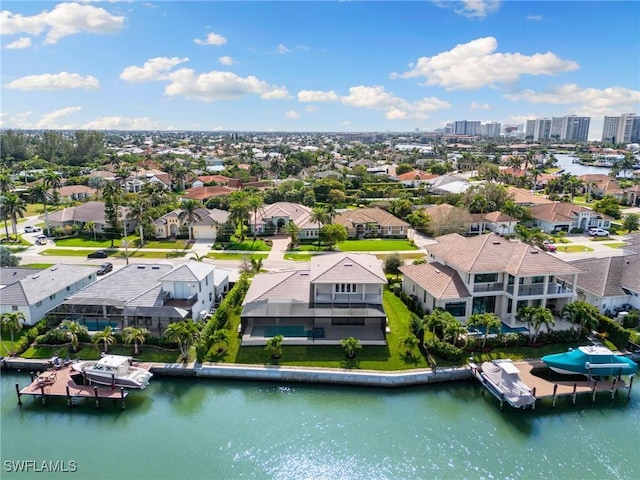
x=315, y=66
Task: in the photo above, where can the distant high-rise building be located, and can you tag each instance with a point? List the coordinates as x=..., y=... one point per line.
x=576, y=129
x=530, y=129
x=538, y=129
x=556, y=127
x=571, y=128
x=491, y=129
x=622, y=129
x=466, y=127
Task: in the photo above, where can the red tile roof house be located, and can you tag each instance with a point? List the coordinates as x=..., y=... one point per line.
x=204, y=228
x=599, y=185
x=487, y=273
x=274, y=218
x=560, y=216
x=79, y=193
x=338, y=296
x=372, y=222
x=205, y=193
x=415, y=178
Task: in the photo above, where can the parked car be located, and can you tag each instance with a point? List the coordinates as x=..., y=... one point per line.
x=598, y=232
x=32, y=229
x=98, y=254
x=41, y=240
x=548, y=246
x=105, y=268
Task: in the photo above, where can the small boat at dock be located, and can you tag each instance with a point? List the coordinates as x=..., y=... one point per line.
x=591, y=360
x=114, y=370
x=502, y=378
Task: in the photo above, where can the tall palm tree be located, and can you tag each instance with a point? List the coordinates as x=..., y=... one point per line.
x=73, y=332
x=437, y=321
x=254, y=203
x=138, y=213
x=454, y=331
x=542, y=316
x=7, y=184
x=12, y=206
x=106, y=337
x=582, y=314
x=527, y=315
x=52, y=181
x=134, y=335
x=189, y=213
x=39, y=193
x=489, y=321
x=13, y=322
x=274, y=346
x=183, y=333
x=239, y=209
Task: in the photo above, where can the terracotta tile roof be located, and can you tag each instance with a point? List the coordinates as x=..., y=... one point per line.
x=213, y=178
x=562, y=211
x=415, y=175
x=350, y=218
x=523, y=196
x=492, y=253
x=296, y=212
x=73, y=189
x=440, y=281
x=204, y=193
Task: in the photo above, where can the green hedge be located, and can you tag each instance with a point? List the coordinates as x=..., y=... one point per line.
x=445, y=350
x=616, y=334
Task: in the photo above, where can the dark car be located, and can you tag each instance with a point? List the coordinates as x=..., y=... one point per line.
x=98, y=254
x=105, y=268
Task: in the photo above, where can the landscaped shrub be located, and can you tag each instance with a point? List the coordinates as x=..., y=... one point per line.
x=618, y=335
x=445, y=350
x=632, y=320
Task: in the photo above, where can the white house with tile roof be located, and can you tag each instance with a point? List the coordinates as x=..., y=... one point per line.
x=560, y=216
x=488, y=273
x=275, y=217
x=338, y=296
x=36, y=292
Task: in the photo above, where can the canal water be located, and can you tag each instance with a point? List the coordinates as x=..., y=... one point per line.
x=210, y=429
x=565, y=162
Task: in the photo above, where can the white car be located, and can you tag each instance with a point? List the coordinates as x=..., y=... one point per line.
x=598, y=232
x=32, y=229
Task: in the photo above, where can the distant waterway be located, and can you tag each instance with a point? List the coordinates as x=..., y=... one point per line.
x=565, y=162
x=210, y=429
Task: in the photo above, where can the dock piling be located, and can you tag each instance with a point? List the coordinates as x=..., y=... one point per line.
x=95, y=392
x=68, y=396
x=575, y=392
x=595, y=386
x=44, y=398
x=613, y=388
x=19, y=396
x=113, y=381
x=630, y=385
x=122, y=396
x=553, y=399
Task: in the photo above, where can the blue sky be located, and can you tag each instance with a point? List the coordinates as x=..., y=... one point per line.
x=315, y=66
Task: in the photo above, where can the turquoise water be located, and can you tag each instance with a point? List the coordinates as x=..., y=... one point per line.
x=210, y=429
x=285, y=330
x=504, y=327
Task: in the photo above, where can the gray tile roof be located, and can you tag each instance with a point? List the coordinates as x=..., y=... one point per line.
x=606, y=277
x=189, y=272
x=351, y=218
x=290, y=284
x=9, y=275
x=44, y=283
x=220, y=275
x=492, y=253
x=347, y=267
x=86, y=212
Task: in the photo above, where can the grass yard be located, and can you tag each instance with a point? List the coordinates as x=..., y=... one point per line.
x=90, y=242
x=298, y=257
x=148, y=353
x=524, y=353
x=376, y=245
x=573, y=248
x=385, y=358
x=248, y=244
x=403, y=256
x=235, y=256
x=168, y=244
x=69, y=252
x=615, y=244
x=38, y=266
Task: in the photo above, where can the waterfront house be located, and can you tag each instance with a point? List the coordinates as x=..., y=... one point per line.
x=338, y=296
x=145, y=295
x=371, y=222
x=487, y=273
x=598, y=185
x=496, y=222
x=36, y=292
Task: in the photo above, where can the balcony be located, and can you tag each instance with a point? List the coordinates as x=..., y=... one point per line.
x=488, y=287
x=348, y=298
x=538, y=289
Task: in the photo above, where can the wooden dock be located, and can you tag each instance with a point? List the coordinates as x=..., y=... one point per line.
x=60, y=383
x=545, y=384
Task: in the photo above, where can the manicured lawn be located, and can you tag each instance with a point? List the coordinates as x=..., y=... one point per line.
x=386, y=358
x=39, y=266
x=148, y=353
x=573, y=248
x=298, y=257
x=248, y=244
x=12, y=241
x=524, y=353
x=90, y=242
x=403, y=256
x=234, y=256
x=169, y=244
x=615, y=244
x=376, y=245
x=68, y=252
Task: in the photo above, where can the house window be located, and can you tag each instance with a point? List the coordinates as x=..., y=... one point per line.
x=51, y=297
x=457, y=309
x=68, y=288
x=39, y=303
x=346, y=288
x=424, y=297
x=347, y=321
x=14, y=308
x=210, y=296
x=509, y=305
x=206, y=281
x=539, y=279
x=511, y=280
x=485, y=277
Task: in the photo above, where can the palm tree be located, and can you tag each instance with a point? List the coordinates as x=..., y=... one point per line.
x=184, y=334
x=134, y=335
x=138, y=214
x=490, y=321
x=13, y=322
x=350, y=346
x=239, y=209
x=254, y=204
x=408, y=343
x=39, y=193
x=454, y=331
x=7, y=184
x=90, y=227
x=53, y=181
x=12, y=207
x=583, y=314
x=527, y=315
x=106, y=337
x=220, y=339
x=256, y=264
x=437, y=321
x=274, y=346
x=543, y=316
x=189, y=213
x=73, y=331
x=293, y=231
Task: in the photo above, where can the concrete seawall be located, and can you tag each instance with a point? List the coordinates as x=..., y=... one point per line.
x=283, y=374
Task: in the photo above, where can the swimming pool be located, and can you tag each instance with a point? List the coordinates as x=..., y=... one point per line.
x=98, y=325
x=504, y=329
x=286, y=331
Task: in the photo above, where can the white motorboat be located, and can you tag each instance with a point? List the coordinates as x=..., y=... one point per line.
x=114, y=370
x=502, y=377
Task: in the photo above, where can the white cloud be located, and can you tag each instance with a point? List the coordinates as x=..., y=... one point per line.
x=534, y=17
x=476, y=64
x=153, y=69
x=226, y=60
x=121, y=123
x=65, y=19
x=53, y=81
x=479, y=106
x=282, y=49
x=470, y=8
x=317, y=96
x=215, y=85
x=22, y=42
x=586, y=101
x=212, y=39
x=311, y=108
x=292, y=114
x=345, y=123
x=376, y=98
x=51, y=120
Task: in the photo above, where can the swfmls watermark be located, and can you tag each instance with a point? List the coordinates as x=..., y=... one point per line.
x=40, y=466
